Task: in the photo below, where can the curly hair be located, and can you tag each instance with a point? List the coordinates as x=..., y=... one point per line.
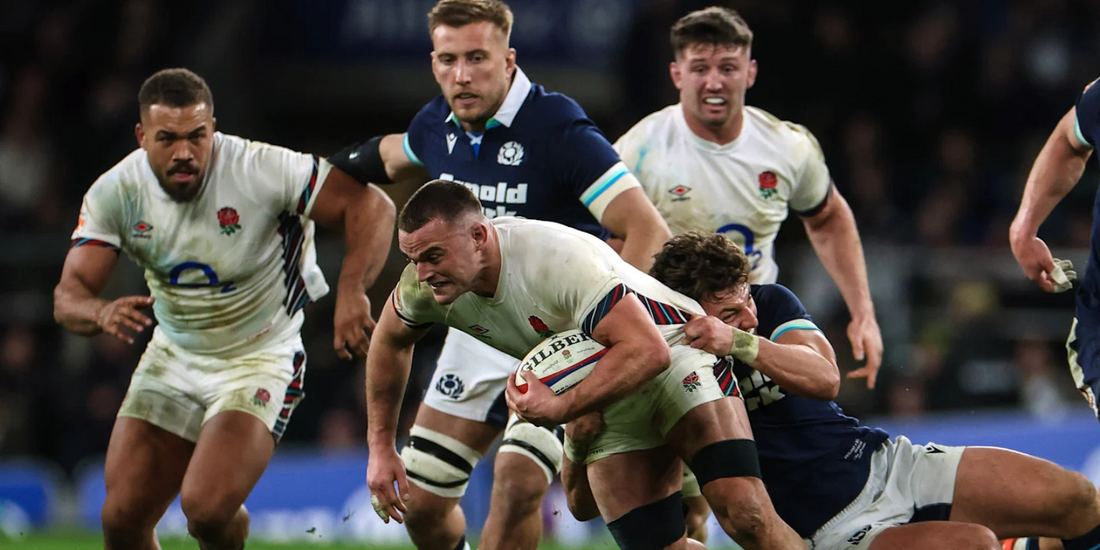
x=701, y=265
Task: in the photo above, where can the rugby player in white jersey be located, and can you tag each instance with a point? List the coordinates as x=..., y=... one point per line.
x=223, y=228
x=509, y=282
x=714, y=164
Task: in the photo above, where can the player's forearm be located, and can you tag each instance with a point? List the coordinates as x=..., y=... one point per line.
x=368, y=233
x=77, y=310
x=837, y=243
x=1056, y=171
x=798, y=369
x=623, y=370
x=387, y=374
x=578, y=492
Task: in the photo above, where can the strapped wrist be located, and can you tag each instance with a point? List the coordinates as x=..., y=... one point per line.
x=745, y=346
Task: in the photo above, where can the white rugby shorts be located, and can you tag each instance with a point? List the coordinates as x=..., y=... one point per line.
x=179, y=391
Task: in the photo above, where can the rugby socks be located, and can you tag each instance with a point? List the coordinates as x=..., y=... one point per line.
x=1088, y=541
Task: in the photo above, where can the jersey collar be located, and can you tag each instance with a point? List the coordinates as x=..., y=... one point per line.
x=517, y=94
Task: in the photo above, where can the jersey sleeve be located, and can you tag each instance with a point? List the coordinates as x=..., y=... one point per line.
x=588, y=165
x=584, y=284
x=295, y=179
x=780, y=311
x=812, y=183
x=416, y=136
x=101, y=220
x=1087, y=124
x=413, y=301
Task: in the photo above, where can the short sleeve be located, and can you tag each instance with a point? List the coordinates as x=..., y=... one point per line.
x=303, y=177
x=585, y=286
x=1088, y=115
x=416, y=136
x=101, y=216
x=591, y=168
x=413, y=301
x=812, y=182
x=784, y=311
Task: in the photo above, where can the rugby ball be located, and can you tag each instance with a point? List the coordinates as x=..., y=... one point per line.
x=561, y=361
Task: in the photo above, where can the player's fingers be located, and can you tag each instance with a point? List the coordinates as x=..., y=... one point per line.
x=138, y=301
x=403, y=485
x=857, y=348
x=339, y=344
x=135, y=316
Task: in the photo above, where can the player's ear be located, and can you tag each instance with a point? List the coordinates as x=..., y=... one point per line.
x=752, y=74
x=510, y=60
x=674, y=72
x=139, y=133
x=213, y=124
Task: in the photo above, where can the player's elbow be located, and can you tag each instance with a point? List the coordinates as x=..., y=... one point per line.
x=656, y=357
x=828, y=386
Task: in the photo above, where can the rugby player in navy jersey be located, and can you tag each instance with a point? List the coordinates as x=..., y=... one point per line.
x=1056, y=171
x=524, y=152
x=842, y=485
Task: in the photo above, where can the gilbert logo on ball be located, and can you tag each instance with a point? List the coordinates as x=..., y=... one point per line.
x=561, y=361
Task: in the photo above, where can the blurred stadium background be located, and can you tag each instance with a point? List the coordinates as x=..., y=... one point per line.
x=930, y=114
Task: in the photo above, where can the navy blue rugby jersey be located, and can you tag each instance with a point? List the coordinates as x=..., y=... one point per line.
x=814, y=459
x=1087, y=127
x=540, y=157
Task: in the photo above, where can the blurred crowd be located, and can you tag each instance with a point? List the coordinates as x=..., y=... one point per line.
x=929, y=114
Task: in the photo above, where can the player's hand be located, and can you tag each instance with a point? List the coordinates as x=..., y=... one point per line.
x=123, y=318
x=866, y=338
x=709, y=334
x=352, y=324
x=1034, y=258
x=585, y=429
x=384, y=469
x=538, y=405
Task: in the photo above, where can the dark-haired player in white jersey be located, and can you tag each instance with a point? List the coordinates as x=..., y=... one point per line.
x=223, y=228
x=841, y=485
x=507, y=282
x=523, y=151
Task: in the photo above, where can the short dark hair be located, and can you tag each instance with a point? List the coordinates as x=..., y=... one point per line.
x=174, y=88
x=437, y=200
x=701, y=265
x=713, y=25
x=459, y=13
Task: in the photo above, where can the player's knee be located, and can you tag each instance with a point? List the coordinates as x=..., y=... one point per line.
x=427, y=512
x=974, y=537
x=208, y=515
x=654, y=525
x=518, y=495
x=120, y=519
x=1079, y=506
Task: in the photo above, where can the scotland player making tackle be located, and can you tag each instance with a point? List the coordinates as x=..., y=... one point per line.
x=223, y=228
x=523, y=151
x=508, y=281
x=841, y=485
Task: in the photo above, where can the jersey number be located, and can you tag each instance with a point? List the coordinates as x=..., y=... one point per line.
x=211, y=276
x=749, y=239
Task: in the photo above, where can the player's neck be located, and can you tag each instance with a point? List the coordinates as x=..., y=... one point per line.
x=721, y=135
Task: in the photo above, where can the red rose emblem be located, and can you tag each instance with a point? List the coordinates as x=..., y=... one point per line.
x=262, y=397
x=691, y=379
x=537, y=324
x=229, y=220
x=768, y=180
x=229, y=216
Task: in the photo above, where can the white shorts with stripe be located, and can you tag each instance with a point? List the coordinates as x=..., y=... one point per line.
x=907, y=483
x=179, y=391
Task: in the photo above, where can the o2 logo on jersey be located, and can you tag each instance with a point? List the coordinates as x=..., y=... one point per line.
x=197, y=275
x=511, y=154
x=746, y=238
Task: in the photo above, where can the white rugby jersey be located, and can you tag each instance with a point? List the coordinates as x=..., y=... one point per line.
x=552, y=278
x=232, y=268
x=741, y=189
